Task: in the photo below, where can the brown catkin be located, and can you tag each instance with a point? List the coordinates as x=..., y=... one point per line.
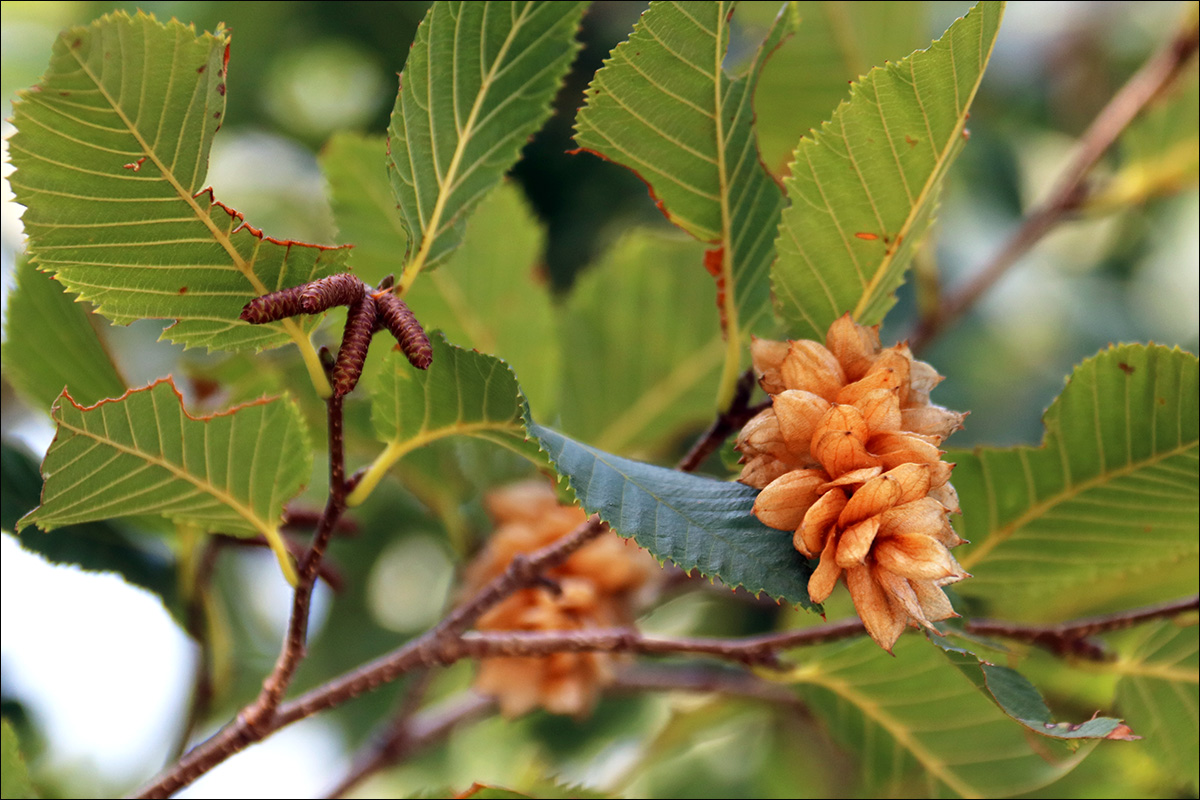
x=273, y=307
x=336, y=290
x=398, y=318
x=360, y=324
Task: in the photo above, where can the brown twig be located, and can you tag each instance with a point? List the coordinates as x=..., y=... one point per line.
x=706, y=679
x=1073, y=638
x=1069, y=191
x=441, y=646
x=262, y=718
x=728, y=421
x=411, y=734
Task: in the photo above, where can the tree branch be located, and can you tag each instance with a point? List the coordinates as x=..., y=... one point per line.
x=730, y=420
x=410, y=734
x=1069, y=191
x=1072, y=638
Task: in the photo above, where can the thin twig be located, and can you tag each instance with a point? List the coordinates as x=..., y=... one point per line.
x=1069, y=191
x=706, y=679
x=325, y=571
x=440, y=647
x=413, y=734
x=254, y=725
x=295, y=643
x=1073, y=638
x=728, y=421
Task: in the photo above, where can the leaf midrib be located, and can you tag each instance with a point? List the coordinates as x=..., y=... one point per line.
x=1004, y=532
x=289, y=325
x=204, y=487
x=446, y=183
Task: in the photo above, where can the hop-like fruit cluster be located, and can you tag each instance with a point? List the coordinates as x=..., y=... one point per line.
x=596, y=587
x=847, y=457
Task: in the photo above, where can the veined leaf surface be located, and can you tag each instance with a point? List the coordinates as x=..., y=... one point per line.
x=639, y=405
x=477, y=84
x=50, y=343
x=463, y=393
x=697, y=523
x=664, y=107
x=1159, y=692
x=864, y=187
x=111, y=152
x=143, y=454
x=919, y=727
x=1109, y=499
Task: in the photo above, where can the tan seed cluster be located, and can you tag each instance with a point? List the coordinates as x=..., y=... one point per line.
x=597, y=588
x=847, y=458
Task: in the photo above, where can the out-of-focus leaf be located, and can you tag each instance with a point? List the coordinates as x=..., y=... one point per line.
x=477, y=84
x=14, y=776
x=50, y=343
x=1159, y=694
x=143, y=454
x=363, y=206
x=1160, y=150
x=100, y=546
x=639, y=363
x=834, y=44
x=491, y=298
x=919, y=727
x=463, y=393
x=1019, y=699
x=697, y=523
x=864, y=187
x=664, y=107
x=1109, y=499
x=111, y=152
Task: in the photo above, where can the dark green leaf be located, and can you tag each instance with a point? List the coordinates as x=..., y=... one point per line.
x=697, y=523
x=1019, y=699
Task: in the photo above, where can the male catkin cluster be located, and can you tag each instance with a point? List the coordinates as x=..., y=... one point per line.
x=847, y=459
x=369, y=311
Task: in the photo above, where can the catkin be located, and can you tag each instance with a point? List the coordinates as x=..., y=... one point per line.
x=360, y=324
x=398, y=318
x=273, y=307
x=336, y=290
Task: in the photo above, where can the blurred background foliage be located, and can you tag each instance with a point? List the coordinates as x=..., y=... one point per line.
x=304, y=71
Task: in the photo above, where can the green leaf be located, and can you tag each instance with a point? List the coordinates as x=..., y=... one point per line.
x=100, y=546
x=920, y=727
x=1160, y=150
x=111, y=152
x=697, y=523
x=477, y=84
x=463, y=393
x=863, y=189
x=363, y=206
x=621, y=307
x=50, y=343
x=664, y=107
x=491, y=298
x=808, y=75
x=14, y=775
x=1081, y=523
x=1019, y=699
x=1159, y=695
x=143, y=454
